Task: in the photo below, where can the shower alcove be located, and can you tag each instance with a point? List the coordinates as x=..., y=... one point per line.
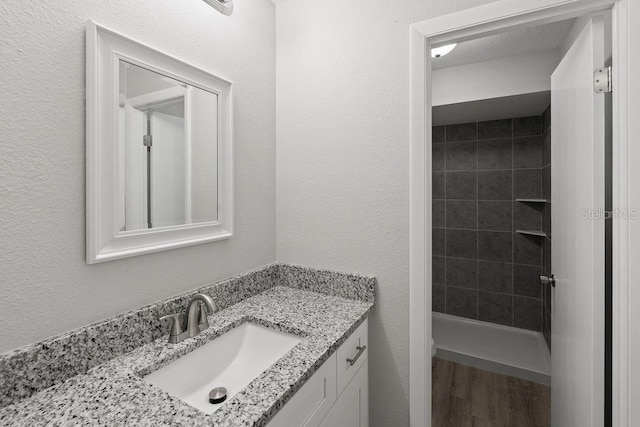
x=492, y=234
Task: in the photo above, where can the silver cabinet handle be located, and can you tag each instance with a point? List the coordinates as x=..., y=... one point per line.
x=360, y=351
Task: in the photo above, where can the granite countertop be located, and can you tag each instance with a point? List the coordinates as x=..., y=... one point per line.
x=114, y=392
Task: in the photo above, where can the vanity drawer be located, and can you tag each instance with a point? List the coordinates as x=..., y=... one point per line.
x=352, y=354
x=312, y=402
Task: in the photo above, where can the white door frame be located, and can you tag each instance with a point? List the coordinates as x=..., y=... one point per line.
x=490, y=19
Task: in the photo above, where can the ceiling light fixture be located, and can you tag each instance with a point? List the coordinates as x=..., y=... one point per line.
x=223, y=6
x=438, y=52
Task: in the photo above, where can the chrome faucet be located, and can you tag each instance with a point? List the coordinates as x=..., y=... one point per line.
x=194, y=319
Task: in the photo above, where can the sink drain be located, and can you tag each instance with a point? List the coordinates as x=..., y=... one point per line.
x=218, y=395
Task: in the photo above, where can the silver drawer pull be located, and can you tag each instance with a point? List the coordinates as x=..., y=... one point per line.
x=355, y=359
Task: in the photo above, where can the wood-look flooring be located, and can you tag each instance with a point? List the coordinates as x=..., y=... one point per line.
x=464, y=396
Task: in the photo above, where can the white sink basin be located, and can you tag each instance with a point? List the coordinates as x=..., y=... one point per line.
x=231, y=361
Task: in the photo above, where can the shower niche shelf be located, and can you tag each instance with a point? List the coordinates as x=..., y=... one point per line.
x=533, y=200
x=532, y=233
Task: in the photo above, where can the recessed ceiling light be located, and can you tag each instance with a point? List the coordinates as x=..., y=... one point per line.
x=437, y=52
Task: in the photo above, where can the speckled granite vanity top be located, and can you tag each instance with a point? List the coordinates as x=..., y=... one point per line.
x=114, y=392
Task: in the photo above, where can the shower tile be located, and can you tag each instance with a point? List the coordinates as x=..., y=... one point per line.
x=438, y=269
x=546, y=256
x=462, y=156
x=527, y=152
x=546, y=183
x=437, y=134
x=526, y=126
x=495, y=129
x=495, y=154
x=486, y=166
x=526, y=281
x=496, y=216
x=495, y=246
x=462, y=273
x=546, y=148
x=546, y=298
x=527, y=184
x=546, y=119
x=546, y=329
x=462, y=214
x=462, y=244
x=438, y=185
x=438, y=298
x=462, y=302
x=438, y=241
x=527, y=313
x=527, y=216
x=546, y=219
x=438, y=212
x=462, y=185
x=462, y=132
x=495, y=277
x=527, y=249
x=438, y=160
x=494, y=185
x=496, y=308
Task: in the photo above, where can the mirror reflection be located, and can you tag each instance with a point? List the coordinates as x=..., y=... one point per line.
x=169, y=150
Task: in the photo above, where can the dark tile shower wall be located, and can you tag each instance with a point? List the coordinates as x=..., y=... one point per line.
x=546, y=223
x=482, y=269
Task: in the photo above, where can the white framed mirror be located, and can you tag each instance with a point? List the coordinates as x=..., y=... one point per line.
x=159, y=150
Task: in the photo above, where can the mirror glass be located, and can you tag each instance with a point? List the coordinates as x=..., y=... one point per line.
x=168, y=137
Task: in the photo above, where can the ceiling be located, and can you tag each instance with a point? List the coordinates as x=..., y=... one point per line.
x=521, y=41
x=534, y=39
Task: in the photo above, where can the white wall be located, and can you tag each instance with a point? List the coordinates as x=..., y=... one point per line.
x=343, y=160
x=508, y=76
x=45, y=286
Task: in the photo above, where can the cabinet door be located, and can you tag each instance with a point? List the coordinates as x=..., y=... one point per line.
x=355, y=347
x=312, y=402
x=352, y=407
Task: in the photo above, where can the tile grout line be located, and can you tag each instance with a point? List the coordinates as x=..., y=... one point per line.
x=518, y=264
x=491, y=170
x=513, y=237
x=499, y=293
x=445, y=221
x=477, y=225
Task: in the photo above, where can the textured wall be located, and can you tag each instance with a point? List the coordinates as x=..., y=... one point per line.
x=45, y=287
x=343, y=160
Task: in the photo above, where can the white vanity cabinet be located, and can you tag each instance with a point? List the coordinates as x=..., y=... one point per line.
x=337, y=395
x=352, y=407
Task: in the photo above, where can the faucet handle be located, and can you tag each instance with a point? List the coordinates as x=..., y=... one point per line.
x=176, y=327
x=203, y=322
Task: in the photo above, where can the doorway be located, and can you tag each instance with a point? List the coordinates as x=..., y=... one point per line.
x=492, y=214
x=485, y=21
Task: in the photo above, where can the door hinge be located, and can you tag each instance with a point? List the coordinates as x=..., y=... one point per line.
x=602, y=80
x=147, y=140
